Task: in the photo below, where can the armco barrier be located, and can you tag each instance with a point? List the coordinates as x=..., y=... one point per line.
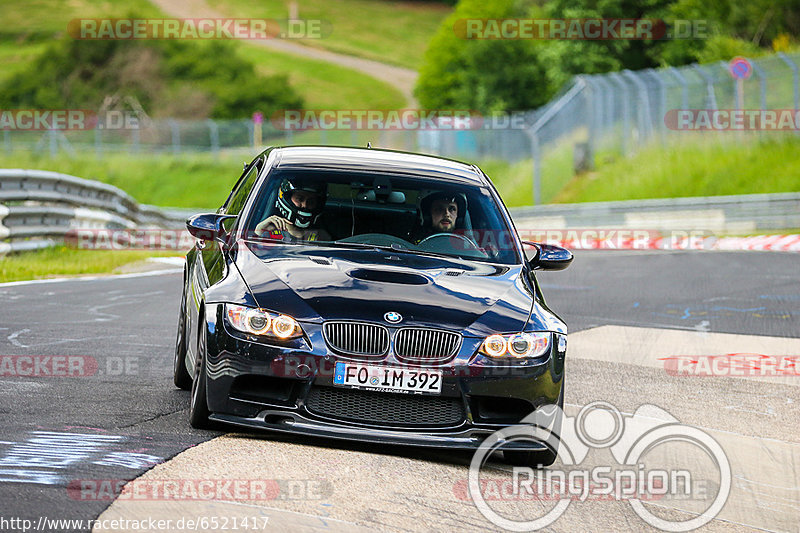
x=740, y=214
x=37, y=208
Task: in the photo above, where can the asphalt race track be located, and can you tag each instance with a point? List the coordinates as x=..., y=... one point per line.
x=69, y=441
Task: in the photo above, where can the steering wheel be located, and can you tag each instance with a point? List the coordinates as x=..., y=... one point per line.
x=472, y=246
x=378, y=239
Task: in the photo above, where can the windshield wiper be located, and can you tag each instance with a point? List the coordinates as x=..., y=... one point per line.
x=363, y=245
x=393, y=248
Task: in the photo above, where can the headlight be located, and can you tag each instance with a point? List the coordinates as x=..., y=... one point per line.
x=517, y=345
x=261, y=322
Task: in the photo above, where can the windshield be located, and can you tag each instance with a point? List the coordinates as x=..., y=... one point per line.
x=407, y=215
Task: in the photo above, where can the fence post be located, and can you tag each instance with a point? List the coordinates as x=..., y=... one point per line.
x=251, y=132
x=176, y=136
x=537, y=167
x=762, y=82
x=213, y=135
x=662, y=102
x=51, y=136
x=136, y=139
x=626, y=112
x=711, y=98
x=644, y=106
x=684, y=86
x=607, y=116
x=795, y=81
x=594, y=119
x=98, y=141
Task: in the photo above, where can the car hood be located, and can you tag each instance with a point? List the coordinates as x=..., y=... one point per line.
x=316, y=283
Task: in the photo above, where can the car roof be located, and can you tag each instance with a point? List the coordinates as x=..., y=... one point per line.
x=373, y=160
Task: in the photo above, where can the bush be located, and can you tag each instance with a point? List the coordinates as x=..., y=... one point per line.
x=485, y=75
x=169, y=78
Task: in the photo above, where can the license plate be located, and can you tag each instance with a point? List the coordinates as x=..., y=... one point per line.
x=387, y=378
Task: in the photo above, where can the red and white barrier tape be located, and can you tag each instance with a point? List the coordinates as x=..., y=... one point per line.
x=765, y=243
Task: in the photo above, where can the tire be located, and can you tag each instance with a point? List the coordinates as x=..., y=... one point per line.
x=537, y=459
x=198, y=411
x=180, y=375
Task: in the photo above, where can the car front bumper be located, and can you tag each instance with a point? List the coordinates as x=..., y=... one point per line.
x=268, y=387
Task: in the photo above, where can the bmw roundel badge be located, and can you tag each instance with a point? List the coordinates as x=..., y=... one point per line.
x=393, y=317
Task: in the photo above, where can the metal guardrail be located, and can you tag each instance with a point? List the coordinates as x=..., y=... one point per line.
x=38, y=208
x=730, y=214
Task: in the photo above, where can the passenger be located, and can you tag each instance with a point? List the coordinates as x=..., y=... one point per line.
x=440, y=213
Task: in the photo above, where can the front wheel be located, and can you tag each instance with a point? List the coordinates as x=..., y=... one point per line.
x=198, y=411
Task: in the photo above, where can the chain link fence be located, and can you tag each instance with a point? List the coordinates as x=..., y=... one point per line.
x=593, y=116
x=620, y=112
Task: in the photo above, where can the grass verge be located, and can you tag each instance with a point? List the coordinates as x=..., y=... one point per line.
x=703, y=166
x=390, y=32
x=189, y=180
x=62, y=261
x=30, y=26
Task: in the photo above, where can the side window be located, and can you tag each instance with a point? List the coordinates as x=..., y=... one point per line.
x=239, y=195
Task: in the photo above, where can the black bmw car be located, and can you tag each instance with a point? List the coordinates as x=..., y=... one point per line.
x=372, y=295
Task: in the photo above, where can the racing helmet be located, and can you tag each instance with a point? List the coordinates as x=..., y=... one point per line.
x=296, y=215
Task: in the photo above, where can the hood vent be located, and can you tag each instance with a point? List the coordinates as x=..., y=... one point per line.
x=388, y=276
x=453, y=273
x=321, y=261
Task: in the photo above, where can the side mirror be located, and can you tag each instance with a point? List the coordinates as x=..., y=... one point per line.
x=549, y=256
x=208, y=226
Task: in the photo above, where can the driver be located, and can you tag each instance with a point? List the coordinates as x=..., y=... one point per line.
x=439, y=211
x=299, y=204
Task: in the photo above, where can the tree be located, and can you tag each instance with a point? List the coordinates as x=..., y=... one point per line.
x=486, y=75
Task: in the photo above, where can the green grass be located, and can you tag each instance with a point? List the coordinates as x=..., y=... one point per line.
x=28, y=26
x=697, y=168
x=191, y=180
x=324, y=85
x=514, y=181
x=15, y=56
x=52, y=16
x=383, y=30
x=703, y=166
x=63, y=261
